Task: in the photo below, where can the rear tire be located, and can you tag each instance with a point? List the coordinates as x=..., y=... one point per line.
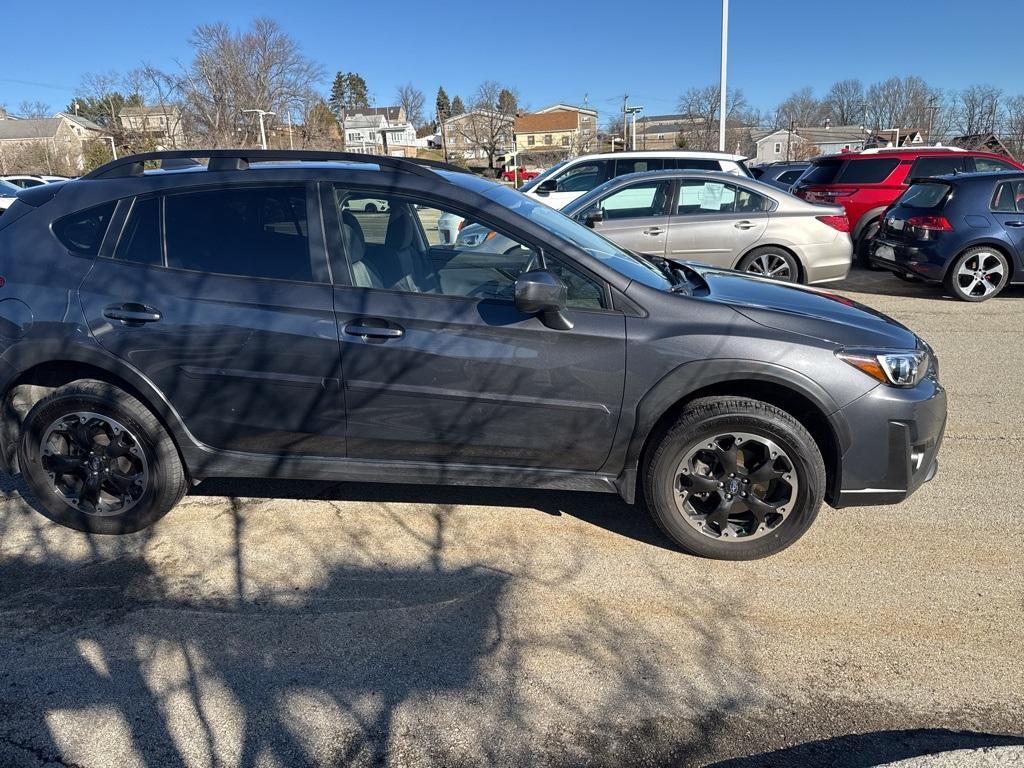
x=749, y=506
x=98, y=460
x=977, y=274
x=864, y=246
x=775, y=263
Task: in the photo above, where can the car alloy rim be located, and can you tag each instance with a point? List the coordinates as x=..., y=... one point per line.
x=770, y=265
x=735, y=486
x=95, y=464
x=981, y=274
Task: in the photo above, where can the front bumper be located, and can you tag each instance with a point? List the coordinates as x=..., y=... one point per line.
x=895, y=439
x=918, y=261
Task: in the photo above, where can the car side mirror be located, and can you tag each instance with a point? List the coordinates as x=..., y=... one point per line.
x=593, y=216
x=548, y=185
x=542, y=293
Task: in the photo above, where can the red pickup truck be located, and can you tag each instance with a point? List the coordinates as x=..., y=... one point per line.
x=524, y=175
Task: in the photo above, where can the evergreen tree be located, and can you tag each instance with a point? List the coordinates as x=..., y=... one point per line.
x=458, y=108
x=444, y=107
x=348, y=92
x=339, y=95
x=507, y=102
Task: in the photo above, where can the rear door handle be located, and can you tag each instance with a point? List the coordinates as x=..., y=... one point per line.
x=1015, y=223
x=373, y=331
x=744, y=225
x=132, y=313
x=654, y=231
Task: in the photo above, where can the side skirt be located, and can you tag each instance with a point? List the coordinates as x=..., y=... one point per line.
x=204, y=464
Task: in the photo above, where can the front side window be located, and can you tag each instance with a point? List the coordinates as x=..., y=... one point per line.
x=581, y=177
x=637, y=201
x=401, y=249
x=82, y=232
x=247, y=231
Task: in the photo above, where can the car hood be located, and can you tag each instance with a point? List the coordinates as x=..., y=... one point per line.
x=806, y=311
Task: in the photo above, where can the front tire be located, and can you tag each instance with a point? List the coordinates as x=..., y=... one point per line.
x=978, y=274
x=98, y=460
x=734, y=479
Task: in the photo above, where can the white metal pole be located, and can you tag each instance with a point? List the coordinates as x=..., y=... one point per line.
x=722, y=84
x=263, y=132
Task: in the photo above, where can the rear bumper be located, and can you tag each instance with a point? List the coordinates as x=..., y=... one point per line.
x=825, y=262
x=919, y=261
x=896, y=435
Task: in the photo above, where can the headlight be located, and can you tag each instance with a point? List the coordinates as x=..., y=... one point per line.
x=897, y=368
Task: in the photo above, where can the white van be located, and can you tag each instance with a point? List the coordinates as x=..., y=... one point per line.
x=563, y=183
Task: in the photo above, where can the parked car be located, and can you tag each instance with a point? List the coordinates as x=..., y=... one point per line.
x=523, y=174
x=8, y=194
x=369, y=206
x=165, y=327
x=24, y=182
x=713, y=218
x=865, y=183
x=965, y=232
x=563, y=183
x=782, y=174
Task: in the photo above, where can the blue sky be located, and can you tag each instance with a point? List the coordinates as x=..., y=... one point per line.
x=563, y=50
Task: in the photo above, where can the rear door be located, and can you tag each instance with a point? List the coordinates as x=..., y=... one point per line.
x=222, y=298
x=714, y=222
x=637, y=216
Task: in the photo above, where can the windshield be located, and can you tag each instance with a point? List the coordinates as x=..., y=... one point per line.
x=605, y=251
x=538, y=179
x=7, y=189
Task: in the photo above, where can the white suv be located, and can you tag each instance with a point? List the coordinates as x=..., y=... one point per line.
x=561, y=184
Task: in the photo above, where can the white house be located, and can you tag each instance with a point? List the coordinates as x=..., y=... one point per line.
x=375, y=131
x=803, y=142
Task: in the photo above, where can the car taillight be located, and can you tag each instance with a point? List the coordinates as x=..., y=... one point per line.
x=840, y=223
x=461, y=225
x=930, y=223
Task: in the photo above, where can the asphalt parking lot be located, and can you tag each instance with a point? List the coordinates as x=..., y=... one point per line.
x=279, y=624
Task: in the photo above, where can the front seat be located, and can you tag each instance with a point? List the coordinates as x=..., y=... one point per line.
x=364, y=275
x=403, y=247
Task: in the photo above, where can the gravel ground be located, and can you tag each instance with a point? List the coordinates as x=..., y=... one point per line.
x=285, y=624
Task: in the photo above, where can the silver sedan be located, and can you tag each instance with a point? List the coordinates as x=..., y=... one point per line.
x=714, y=218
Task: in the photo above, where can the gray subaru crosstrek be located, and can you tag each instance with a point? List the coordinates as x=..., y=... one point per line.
x=254, y=316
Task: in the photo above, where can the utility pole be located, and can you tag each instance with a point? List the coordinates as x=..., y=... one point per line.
x=625, y=102
x=789, y=139
x=263, y=132
x=723, y=92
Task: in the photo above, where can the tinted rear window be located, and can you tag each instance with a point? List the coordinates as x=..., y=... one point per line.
x=692, y=164
x=823, y=173
x=83, y=232
x=931, y=194
x=873, y=171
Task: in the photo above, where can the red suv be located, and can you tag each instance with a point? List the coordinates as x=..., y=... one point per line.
x=866, y=183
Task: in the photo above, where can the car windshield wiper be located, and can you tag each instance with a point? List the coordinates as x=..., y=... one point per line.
x=664, y=266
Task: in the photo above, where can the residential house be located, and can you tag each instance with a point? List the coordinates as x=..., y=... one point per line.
x=477, y=134
x=52, y=145
x=800, y=143
x=161, y=124
x=981, y=142
x=900, y=137
x=662, y=131
x=562, y=130
x=380, y=130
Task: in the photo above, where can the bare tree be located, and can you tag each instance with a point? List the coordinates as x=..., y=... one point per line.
x=261, y=68
x=35, y=109
x=844, y=102
x=977, y=109
x=701, y=105
x=801, y=108
x=898, y=103
x=412, y=98
x=486, y=128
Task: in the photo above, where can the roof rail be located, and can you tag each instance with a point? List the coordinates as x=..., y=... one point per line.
x=878, y=150
x=239, y=160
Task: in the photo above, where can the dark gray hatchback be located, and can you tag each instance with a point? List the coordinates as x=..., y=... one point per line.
x=276, y=314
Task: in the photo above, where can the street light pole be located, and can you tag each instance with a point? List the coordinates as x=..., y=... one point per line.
x=263, y=133
x=722, y=84
x=113, y=147
x=633, y=113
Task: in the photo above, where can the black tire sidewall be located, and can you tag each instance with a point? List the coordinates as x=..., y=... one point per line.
x=799, y=447
x=160, y=494
x=953, y=287
x=864, y=246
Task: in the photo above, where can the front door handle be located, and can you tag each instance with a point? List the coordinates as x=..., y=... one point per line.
x=132, y=313
x=373, y=331
x=744, y=225
x=654, y=231
x=1015, y=223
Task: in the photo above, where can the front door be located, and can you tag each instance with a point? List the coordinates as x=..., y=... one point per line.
x=637, y=217
x=227, y=307
x=715, y=222
x=439, y=365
